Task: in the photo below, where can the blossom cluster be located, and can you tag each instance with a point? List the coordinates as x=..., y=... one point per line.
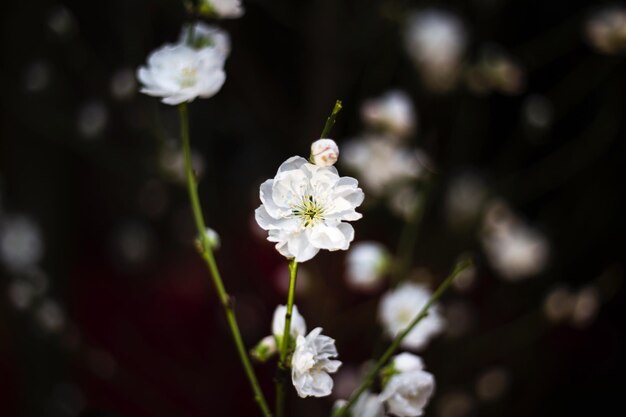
x=386, y=166
x=407, y=388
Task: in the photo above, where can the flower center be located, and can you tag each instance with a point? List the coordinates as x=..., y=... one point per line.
x=309, y=210
x=188, y=77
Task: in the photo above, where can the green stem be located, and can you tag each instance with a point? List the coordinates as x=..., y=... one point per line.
x=207, y=255
x=371, y=375
x=283, y=364
x=330, y=121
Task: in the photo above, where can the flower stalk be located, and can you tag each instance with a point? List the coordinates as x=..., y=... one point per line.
x=207, y=254
x=382, y=361
x=283, y=362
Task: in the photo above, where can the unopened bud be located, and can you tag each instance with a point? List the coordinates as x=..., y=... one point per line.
x=265, y=349
x=324, y=152
x=212, y=238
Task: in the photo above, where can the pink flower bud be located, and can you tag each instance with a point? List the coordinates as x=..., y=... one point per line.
x=324, y=152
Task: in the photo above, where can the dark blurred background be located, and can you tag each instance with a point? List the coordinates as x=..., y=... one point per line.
x=118, y=317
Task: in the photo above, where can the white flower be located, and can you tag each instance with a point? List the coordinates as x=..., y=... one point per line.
x=495, y=71
x=21, y=243
x=368, y=405
x=465, y=197
x=324, y=152
x=514, y=250
x=435, y=40
x=407, y=362
x=381, y=164
x=606, y=30
x=404, y=201
x=407, y=393
x=222, y=8
x=304, y=207
x=367, y=263
x=393, y=111
x=179, y=73
x=399, y=307
x=192, y=68
x=311, y=363
x=298, y=325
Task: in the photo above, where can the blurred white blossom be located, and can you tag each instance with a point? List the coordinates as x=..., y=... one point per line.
x=324, y=152
x=559, y=303
x=37, y=76
x=492, y=384
x=407, y=362
x=400, y=306
x=407, y=392
x=92, y=119
x=298, y=325
x=538, y=111
x=367, y=263
x=172, y=162
x=226, y=9
x=61, y=20
x=465, y=197
x=368, y=405
x=393, y=112
x=565, y=305
x=132, y=244
x=382, y=164
x=586, y=306
x=21, y=244
x=404, y=201
x=606, y=30
x=50, y=316
x=514, y=250
x=457, y=403
x=21, y=294
x=304, y=208
x=187, y=70
x=435, y=40
x=495, y=71
x=123, y=84
x=311, y=364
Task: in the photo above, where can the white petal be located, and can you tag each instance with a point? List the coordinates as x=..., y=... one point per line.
x=267, y=222
x=265, y=193
x=298, y=325
x=325, y=237
x=293, y=163
x=301, y=248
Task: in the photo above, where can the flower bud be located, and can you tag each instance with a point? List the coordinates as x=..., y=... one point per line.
x=324, y=152
x=212, y=238
x=265, y=349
